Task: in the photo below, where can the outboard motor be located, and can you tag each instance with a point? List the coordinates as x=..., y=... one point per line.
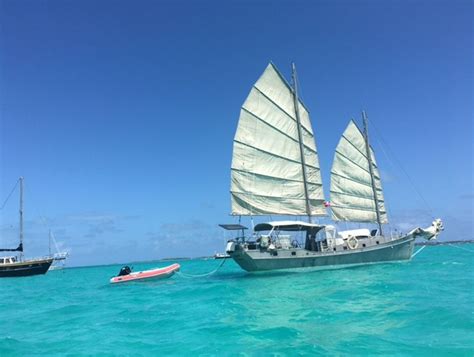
x=125, y=271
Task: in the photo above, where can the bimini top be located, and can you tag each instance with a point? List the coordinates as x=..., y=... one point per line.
x=232, y=227
x=287, y=226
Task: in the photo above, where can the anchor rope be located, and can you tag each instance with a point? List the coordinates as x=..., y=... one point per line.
x=467, y=250
x=418, y=251
x=184, y=275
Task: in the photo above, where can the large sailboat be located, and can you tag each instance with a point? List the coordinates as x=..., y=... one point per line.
x=16, y=265
x=275, y=172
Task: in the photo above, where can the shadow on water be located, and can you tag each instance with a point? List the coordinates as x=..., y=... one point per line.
x=306, y=271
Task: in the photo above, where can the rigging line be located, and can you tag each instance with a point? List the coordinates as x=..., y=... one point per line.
x=54, y=242
x=43, y=220
x=10, y=194
x=401, y=167
x=300, y=92
x=467, y=250
x=418, y=251
x=184, y=275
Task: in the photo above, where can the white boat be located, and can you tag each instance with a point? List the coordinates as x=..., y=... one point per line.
x=276, y=172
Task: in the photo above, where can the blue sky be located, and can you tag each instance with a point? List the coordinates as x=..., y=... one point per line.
x=121, y=115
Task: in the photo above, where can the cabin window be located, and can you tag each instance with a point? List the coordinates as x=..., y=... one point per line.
x=2, y=261
x=377, y=241
x=345, y=248
x=293, y=253
x=334, y=249
x=363, y=244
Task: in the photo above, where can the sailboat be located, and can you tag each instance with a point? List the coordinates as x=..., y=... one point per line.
x=14, y=266
x=275, y=172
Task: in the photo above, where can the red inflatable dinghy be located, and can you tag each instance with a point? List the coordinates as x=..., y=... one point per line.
x=158, y=273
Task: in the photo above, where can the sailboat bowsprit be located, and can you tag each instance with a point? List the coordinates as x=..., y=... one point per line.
x=275, y=171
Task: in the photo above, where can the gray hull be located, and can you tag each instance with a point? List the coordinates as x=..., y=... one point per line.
x=294, y=258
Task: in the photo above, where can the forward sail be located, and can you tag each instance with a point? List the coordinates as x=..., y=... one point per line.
x=352, y=191
x=267, y=172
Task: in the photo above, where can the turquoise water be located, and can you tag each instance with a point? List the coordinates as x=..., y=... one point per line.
x=423, y=307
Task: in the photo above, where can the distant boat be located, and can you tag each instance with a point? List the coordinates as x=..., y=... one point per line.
x=275, y=171
x=14, y=266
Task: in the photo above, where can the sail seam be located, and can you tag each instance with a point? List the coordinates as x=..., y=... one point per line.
x=360, y=152
x=350, y=179
x=278, y=130
x=376, y=175
x=274, y=155
x=268, y=196
x=355, y=147
x=274, y=177
x=348, y=194
x=281, y=109
x=287, y=84
x=353, y=162
x=357, y=208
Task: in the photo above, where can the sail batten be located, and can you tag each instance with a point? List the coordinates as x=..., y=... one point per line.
x=352, y=190
x=353, y=162
x=356, y=196
x=278, y=177
x=269, y=167
x=275, y=155
x=277, y=129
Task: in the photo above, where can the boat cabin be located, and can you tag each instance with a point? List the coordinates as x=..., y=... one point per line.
x=7, y=260
x=314, y=240
x=271, y=236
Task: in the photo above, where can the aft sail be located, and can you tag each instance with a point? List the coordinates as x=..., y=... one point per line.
x=352, y=185
x=269, y=168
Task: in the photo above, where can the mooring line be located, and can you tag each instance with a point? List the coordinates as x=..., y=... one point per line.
x=419, y=250
x=184, y=275
x=467, y=250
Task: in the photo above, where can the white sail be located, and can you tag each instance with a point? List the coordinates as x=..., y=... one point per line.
x=352, y=193
x=267, y=171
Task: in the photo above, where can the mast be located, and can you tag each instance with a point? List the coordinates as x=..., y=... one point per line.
x=21, y=217
x=372, y=180
x=300, y=139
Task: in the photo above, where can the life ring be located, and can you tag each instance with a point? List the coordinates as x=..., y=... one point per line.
x=352, y=242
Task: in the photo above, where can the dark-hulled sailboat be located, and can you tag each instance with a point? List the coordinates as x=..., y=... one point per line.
x=15, y=266
x=275, y=171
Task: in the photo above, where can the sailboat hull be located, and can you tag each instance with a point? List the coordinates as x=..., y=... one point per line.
x=297, y=258
x=25, y=268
